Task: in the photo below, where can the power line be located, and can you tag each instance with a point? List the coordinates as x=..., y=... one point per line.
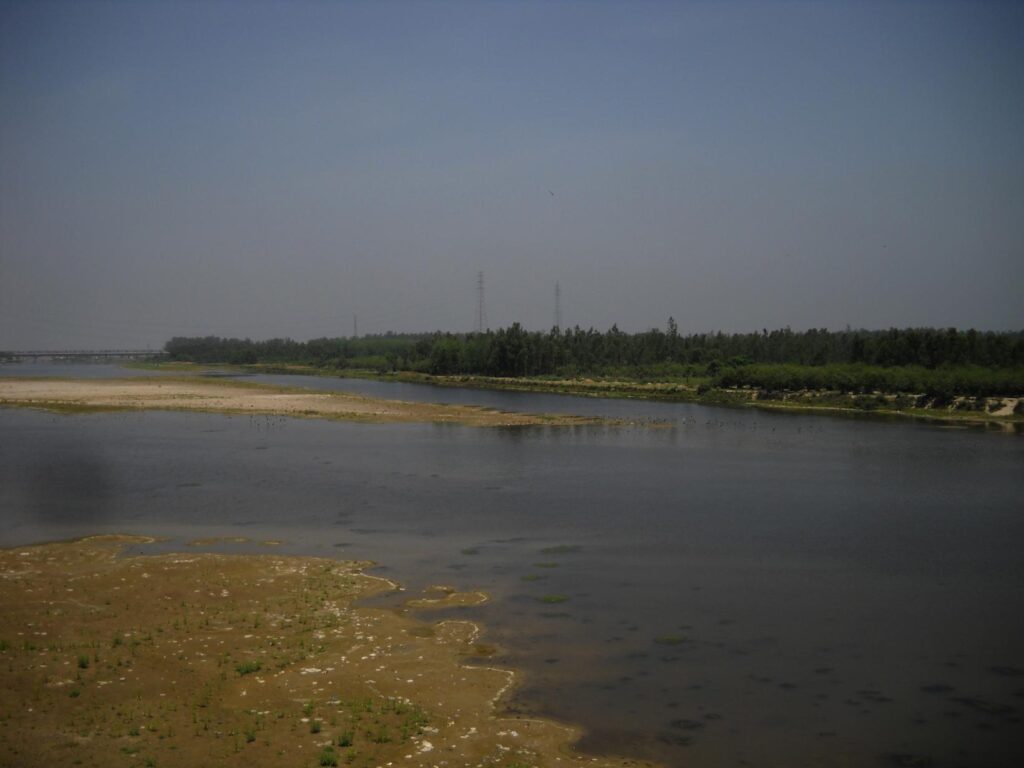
x=481, y=313
x=558, y=306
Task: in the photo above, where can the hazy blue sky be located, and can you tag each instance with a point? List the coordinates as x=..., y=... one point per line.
x=269, y=169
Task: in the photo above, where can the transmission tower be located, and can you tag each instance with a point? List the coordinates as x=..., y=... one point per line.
x=481, y=313
x=558, y=306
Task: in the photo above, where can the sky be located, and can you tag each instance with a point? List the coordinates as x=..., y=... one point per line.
x=266, y=169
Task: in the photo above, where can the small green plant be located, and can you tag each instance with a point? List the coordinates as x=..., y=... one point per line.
x=248, y=667
x=670, y=640
x=328, y=757
x=315, y=726
x=553, y=599
x=345, y=739
x=74, y=693
x=83, y=662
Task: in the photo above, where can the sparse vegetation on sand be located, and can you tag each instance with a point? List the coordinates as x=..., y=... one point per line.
x=240, y=660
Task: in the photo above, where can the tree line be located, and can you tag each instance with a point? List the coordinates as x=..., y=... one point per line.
x=780, y=359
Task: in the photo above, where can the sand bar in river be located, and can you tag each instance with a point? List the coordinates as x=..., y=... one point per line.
x=195, y=394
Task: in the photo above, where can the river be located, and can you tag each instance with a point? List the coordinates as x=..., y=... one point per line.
x=704, y=587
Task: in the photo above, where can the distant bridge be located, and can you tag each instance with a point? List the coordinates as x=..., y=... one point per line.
x=64, y=354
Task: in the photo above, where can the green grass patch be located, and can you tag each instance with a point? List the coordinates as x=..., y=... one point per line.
x=248, y=667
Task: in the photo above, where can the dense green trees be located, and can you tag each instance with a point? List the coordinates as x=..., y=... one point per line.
x=376, y=352
x=944, y=382
x=908, y=360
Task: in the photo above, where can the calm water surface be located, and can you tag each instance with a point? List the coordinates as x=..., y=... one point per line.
x=737, y=588
x=72, y=370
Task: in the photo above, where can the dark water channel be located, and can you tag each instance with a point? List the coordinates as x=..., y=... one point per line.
x=737, y=588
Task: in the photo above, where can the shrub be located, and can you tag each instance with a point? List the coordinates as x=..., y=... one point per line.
x=248, y=667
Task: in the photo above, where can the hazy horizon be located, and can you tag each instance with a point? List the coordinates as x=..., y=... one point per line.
x=270, y=170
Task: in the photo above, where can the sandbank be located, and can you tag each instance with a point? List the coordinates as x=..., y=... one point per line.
x=242, y=660
x=223, y=396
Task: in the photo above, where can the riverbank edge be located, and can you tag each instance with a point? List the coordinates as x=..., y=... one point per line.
x=876, y=404
x=554, y=740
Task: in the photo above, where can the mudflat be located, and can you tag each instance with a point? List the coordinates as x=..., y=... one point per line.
x=249, y=660
x=196, y=394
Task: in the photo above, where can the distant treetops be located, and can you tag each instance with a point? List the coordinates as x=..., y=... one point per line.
x=514, y=351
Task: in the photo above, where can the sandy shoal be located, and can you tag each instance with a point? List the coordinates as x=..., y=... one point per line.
x=200, y=659
x=233, y=397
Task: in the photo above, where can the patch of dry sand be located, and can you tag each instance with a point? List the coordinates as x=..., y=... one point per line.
x=233, y=397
